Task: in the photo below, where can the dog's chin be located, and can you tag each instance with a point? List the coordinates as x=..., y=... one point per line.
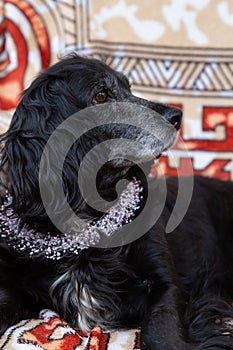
x=151, y=155
x=123, y=163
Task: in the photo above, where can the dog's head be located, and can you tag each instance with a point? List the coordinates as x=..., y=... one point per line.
x=69, y=86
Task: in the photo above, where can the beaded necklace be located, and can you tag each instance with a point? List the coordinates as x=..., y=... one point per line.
x=24, y=239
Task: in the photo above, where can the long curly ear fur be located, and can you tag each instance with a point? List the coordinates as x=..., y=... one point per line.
x=52, y=97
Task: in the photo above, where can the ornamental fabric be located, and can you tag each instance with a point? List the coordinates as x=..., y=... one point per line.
x=176, y=52
x=51, y=333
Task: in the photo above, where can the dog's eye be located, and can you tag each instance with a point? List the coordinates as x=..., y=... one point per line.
x=101, y=97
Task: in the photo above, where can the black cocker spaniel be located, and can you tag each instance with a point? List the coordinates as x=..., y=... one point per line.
x=102, y=270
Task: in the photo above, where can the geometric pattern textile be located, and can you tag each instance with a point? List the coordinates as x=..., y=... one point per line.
x=177, y=52
x=51, y=333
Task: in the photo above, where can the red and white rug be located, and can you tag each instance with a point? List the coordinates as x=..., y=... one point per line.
x=49, y=332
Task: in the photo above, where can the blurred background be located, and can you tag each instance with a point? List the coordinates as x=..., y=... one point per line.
x=179, y=52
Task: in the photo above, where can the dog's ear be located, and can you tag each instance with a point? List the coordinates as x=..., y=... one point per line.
x=44, y=105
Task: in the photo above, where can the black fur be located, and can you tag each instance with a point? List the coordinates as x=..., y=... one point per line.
x=177, y=287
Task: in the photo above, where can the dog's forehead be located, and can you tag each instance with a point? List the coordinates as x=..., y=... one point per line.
x=123, y=78
x=105, y=73
x=112, y=77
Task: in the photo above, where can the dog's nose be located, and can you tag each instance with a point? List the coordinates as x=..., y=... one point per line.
x=174, y=116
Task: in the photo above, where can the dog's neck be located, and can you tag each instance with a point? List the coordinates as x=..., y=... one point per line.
x=22, y=238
